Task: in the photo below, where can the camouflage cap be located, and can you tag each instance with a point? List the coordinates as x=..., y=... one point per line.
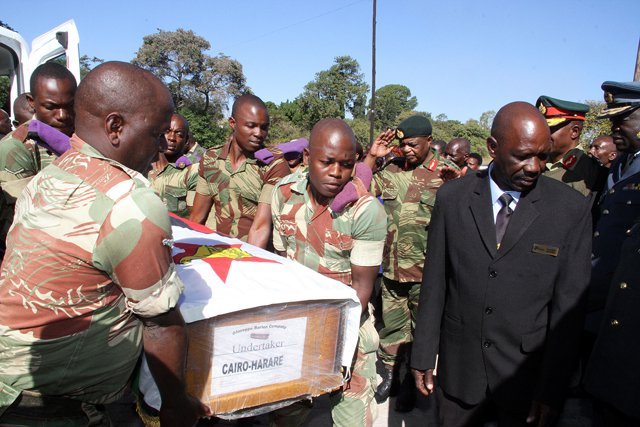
x=413, y=126
x=557, y=111
x=621, y=98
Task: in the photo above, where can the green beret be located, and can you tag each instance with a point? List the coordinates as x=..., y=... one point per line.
x=621, y=98
x=557, y=111
x=413, y=126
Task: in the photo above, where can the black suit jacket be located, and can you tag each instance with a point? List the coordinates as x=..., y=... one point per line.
x=504, y=321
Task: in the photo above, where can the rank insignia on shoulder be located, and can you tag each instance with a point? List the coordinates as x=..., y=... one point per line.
x=432, y=164
x=570, y=161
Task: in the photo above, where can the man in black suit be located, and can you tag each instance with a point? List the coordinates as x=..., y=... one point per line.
x=502, y=305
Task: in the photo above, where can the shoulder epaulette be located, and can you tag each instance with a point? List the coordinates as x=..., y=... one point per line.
x=570, y=160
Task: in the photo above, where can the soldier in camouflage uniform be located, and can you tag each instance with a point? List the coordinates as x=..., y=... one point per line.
x=408, y=193
x=89, y=275
x=21, y=157
x=234, y=188
x=567, y=162
x=173, y=175
x=346, y=246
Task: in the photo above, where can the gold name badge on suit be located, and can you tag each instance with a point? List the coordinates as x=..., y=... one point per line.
x=545, y=249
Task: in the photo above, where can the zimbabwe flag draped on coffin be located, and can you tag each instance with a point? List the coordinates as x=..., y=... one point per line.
x=263, y=330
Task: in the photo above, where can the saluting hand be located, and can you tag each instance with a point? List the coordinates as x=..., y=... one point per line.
x=380, y=146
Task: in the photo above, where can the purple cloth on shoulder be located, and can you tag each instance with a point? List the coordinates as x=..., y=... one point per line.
x=264, y=155
x=48, y=137
x=349, y=194
x=293, y=146
x=182, y=162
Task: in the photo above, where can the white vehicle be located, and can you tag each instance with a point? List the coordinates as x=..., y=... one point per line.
x=17, y=61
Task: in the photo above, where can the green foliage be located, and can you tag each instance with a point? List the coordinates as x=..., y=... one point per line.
x=592, y=127
x=335, y=92
x=282, y=128
x=5, y=86
x=197, y=81
x=87, y=63
x=361, y=128
x=472, y=130
x=391, y=100
x=208, y=131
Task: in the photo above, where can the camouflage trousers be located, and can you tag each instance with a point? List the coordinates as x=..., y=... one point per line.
x=354, y=404
x=399, y=310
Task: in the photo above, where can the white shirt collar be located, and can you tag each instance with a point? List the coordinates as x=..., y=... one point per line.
x=496, y=192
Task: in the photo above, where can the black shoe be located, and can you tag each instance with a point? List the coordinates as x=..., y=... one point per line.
x=406, y=400
x=389, y=385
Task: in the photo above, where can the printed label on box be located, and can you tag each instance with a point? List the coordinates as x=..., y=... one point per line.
x=257, y=354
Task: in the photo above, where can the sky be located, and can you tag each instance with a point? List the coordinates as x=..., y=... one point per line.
x=458, y=57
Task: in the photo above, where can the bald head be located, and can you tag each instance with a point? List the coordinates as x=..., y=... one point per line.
x=123, y=111
x=604, y=149
x=519, y=144
x=458, y=150
x=517, y=118
x=328, y=130
x=331, y=157
x=117, y=86
x=246, y=100
x=22, y=109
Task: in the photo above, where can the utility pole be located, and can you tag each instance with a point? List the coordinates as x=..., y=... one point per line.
x=636, y=75
x=372, y=110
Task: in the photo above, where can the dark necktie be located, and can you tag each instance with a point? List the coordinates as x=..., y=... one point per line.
x=504, y=214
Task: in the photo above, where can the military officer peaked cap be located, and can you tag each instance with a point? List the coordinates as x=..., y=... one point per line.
x=413, y=126
x=621, y=98
x=557, y=111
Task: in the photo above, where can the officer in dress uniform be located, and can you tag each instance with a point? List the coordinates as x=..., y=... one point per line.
x=619, y=205
x=567, y=162
x=613, y=374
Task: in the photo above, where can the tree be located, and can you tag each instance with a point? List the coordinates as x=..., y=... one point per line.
x=208, y=131
x=592, y=127
x=335, y=92
x=391, y=100
x=282, y=128
x=197, y=81
x=86, y=64
x=486, y=119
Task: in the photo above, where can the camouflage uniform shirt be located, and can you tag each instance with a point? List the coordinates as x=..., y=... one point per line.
x=579, y=171
x=89, y=252
x=20, y=159
x=195, y=153
x=325, y=241
x=176, y=185
x=408, y=199
x=236, y=194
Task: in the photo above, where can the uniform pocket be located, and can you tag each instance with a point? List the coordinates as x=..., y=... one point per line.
x=175, y=199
